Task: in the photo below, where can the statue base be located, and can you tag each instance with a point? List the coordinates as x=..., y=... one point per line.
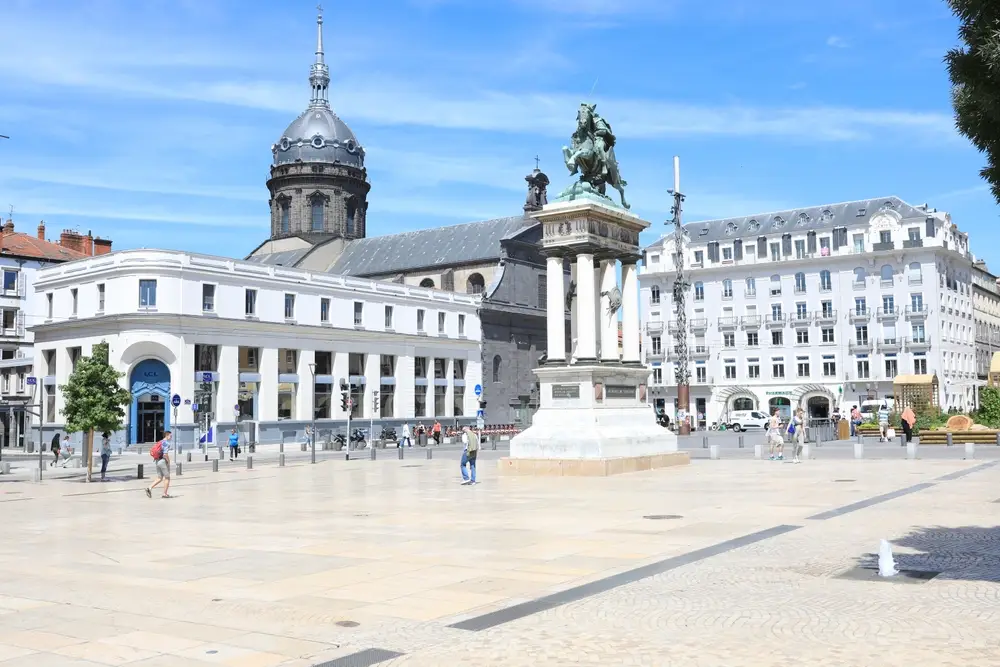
x=582, y=190
x=593, y=421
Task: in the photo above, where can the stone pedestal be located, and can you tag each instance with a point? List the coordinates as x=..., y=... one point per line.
x=593, y=417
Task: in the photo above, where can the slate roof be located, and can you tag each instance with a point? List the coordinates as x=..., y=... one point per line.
x=455, y=244
x=802, y=219
x=281, y=258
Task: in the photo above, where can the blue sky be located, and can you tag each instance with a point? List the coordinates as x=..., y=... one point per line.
x=151, y=121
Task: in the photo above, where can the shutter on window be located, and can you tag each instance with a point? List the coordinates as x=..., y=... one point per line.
x=929, y=228
x=811, y=242
x=761, y=247
x=713, y=252
x=737, y=250
x=839, y=239
x=786, y=244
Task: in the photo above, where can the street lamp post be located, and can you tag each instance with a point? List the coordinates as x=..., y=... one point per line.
x=312, y=434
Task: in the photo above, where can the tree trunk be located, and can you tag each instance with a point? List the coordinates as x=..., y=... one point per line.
x=88, y=438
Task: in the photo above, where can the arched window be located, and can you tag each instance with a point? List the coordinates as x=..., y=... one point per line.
x=496, y=368
x=285, y=223
x=860, y=275
x=475, y=284
x=743, y=403
x=913, y=274
x=427, y=282
x=800, y=282
x=825, y=281
x=316, y=205
x=351, y=208
x=886, y=273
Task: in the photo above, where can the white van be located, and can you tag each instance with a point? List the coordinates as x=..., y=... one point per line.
x=741, y=420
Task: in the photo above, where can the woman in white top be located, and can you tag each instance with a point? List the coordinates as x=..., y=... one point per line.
x=798, y=433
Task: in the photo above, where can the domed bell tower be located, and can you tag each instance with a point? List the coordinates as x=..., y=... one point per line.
x=318, y=180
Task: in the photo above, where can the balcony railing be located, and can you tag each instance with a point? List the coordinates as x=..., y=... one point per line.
x=859, y=346
x=825, y=316
x=700, y=352
x=750, y=294
x=884, y=245
x=918, y=343
x=858, y=284
x=885, y=314
x=775, y=321
x=913, y=243
x=751, y=321
x=800, y=319
x=889, y=344
x=654, y=327
x=916, y=313
x=861, y=315
x=673, y=325
x=915, y=280
x=655, y=355
x=728, y=322
x=698, y=323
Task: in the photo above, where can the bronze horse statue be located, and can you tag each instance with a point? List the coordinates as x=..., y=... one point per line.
x=592, y=154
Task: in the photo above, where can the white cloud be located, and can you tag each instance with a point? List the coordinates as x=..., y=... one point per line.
x=836, y=42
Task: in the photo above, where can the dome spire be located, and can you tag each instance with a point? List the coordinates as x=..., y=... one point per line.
x=319, y=75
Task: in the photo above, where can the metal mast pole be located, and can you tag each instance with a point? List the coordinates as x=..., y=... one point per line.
x=682, y=373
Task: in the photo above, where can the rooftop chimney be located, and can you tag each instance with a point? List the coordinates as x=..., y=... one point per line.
x=88, y=244
x=8, y=227
x=101, y=247
x=71, y=241
x=41, y=230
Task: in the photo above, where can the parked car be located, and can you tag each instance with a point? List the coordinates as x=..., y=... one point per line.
x=742, y=420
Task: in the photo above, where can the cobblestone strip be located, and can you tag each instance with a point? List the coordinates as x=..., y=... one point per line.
x=868, y=502
x=962, y=473
x=519, y=611
x=366, y=658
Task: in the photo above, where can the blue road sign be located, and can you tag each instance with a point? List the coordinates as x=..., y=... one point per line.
x=187, y=401
x=32, y=380
x=176, y=400
x=480, y=413
x=206, y=377
x=478, y=390
x=194, y=406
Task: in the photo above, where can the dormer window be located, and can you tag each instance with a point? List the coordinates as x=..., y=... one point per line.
x=731, y=229
x=779, y=221
x=753, y=226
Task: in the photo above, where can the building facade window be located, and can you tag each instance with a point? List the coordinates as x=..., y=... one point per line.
x=359, y=313
x=74, y=295
x=729, y=367
x=778, y=368
x=420, y=320
x=250, y=302
x=101, y=291
x=825, y=281
x=920, y=366
x=829, y=367
x=891, y=368
x=147, y=294
x=753, y=369
x=864, y=372
x=700, y=374
x=699, y=291
x=654, y=295
x=284, y=211
x=441, y=323
x=729, y=339
x=389, y=317
x=475, y=284
x=827, y=335
x=496, y=368
x=777, y=338
x=427, y=282
x=324, y=310
x=753, y=339
x=316, y=213
x=751, y=288
x=289, y=306
x=208, y=298
x=727, y=289
x=802, y=367
x=461, y=325
x=802, y=337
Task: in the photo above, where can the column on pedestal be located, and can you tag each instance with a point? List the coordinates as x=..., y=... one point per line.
x=598, y=324
x=630, y=312
x=608, y=319
x=555, y=310
x=573, y=312
x=586, y=328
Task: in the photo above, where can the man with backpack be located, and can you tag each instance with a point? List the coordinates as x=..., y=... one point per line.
x=471, y=441
x=161, y=455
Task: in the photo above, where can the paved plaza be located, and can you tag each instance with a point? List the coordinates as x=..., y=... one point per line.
x=388, y=562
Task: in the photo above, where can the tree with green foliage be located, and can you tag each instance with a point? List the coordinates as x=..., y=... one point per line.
x=989, y=407
x=94, y=399
x=975, y=77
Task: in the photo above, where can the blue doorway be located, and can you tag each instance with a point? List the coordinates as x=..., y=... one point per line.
x=149, y=415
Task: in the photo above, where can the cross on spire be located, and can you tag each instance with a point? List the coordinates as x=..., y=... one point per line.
x=536, y=162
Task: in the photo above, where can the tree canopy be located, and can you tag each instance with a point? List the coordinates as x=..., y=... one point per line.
x=974, y=69
x=93, y=398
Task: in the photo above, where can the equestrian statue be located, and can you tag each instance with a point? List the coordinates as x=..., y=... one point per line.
x=592, y=156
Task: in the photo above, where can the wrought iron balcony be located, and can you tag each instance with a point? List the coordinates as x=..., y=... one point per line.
x=913, y=243
x=825, y=316
x=886, y=245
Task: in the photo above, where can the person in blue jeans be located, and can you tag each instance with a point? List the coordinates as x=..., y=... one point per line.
x=471, y=441
x=234, y=445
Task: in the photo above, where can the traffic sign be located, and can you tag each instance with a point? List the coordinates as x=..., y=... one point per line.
x=478, y=390
x=187, y=401
x=480, y=413
x=206, y=377
x=32, y=380
x=480, y=423
x=176, y=400
x=194, y=406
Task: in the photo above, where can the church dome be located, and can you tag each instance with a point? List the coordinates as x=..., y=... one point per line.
x=318, y=135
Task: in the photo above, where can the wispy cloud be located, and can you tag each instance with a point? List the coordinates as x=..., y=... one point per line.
x=837, y=42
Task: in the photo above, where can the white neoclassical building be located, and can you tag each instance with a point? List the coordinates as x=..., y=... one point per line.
x=278, y=347
x=817, y=307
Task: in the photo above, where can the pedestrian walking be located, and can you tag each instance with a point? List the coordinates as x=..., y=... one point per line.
x=105, y=453
x=883, y=423
x=776, y=442
x=161, y=455
x=471, y=441
x=406, y=436
x=855, y=420
x=234, y=445
x=797, y=429
x=436, y=430
x=55, y=447
x=66, y=450
x=908, y=419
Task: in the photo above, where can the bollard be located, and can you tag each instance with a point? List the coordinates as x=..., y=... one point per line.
x=859, y=450
x=249, y=462
x=399, y=453
x=120, y=449
x=215, y=465
x=281, y=460
x=911, y=451
x=206, y=458
x=138, y=472
x=493, y=440
x=902, y=440
x=189, y=457
x=36, y=475
x=430, y=454
x=998, y=438
x=371, y=453
x=5, y=468
x=758, y=452
x=140, y=450
x=713, y=452
x=303, y=446
x=948, y=435
x=805, y=452
x=741, y=442
x=281, y=446
x=970, y=450
x=704, y=442
x=179, y=469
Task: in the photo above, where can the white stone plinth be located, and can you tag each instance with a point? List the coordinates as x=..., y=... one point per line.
x=594, y=413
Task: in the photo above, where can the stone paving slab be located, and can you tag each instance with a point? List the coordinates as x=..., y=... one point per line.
x=311, y=564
